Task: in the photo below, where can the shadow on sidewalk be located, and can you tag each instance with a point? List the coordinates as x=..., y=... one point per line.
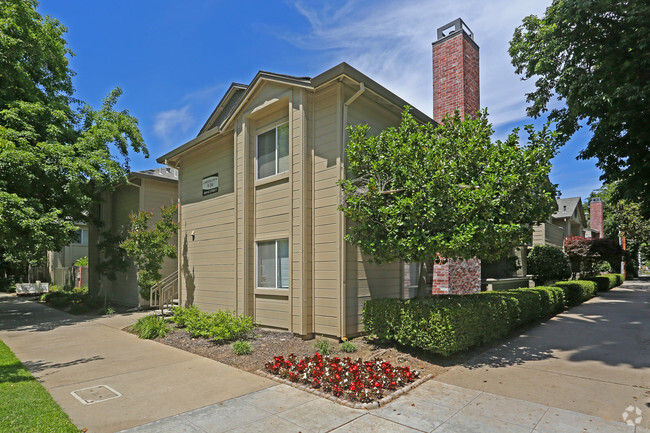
x=612, y=329
x=24, y=314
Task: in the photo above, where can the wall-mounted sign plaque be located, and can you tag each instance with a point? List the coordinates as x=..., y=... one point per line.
x=211, y=184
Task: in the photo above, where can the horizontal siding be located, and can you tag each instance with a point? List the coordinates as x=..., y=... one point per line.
x=215, y=156
x=158, y=193
x=326, y=240
x=125, y=201
x=208, y=264
x=272, y=311
x=366, y=280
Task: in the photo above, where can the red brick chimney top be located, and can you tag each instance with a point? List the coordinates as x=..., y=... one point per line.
x=455, y=71
x=596, y=216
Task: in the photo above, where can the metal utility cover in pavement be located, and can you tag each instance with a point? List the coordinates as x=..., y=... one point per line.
x=95, y=394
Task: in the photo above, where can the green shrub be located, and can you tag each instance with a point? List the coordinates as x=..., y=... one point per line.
x=577, y=291
x=604, y=282
x=348, y=347
x=221, y=326
x=619, y=279
x=83, y=261
x=450, y=324
x=548, y=263
x=323, y=347
x=181, y=315
x=241, y=347
x=149, y=327
x=7, y=285
x=57, y=299
x=106, y=311
x=54, y=288
x=82, y=290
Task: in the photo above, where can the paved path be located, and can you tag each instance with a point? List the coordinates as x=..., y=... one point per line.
x=193, y=394
x=67, y=353
x=593, y=359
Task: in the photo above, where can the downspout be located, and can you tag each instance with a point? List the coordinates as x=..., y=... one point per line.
x=343, y=258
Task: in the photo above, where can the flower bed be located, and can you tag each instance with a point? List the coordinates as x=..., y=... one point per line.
x=359, y=381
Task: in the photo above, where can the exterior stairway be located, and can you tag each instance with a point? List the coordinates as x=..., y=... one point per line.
x=164, y=295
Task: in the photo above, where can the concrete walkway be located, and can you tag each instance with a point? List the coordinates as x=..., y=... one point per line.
x=69, y=353
x=571, y=374
x=593, y=359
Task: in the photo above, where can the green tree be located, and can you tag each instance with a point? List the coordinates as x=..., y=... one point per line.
x=547, y=263
x=623, y=216
x=419, y=190
x=594, y=55
x=148, y=246
x=55, y=151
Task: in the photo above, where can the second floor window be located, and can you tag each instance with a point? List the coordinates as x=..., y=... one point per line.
x=273, y=151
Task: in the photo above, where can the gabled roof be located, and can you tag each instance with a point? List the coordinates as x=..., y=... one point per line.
x=237, y=95
x=164, y=173
x=566, y=207
x=224, y=107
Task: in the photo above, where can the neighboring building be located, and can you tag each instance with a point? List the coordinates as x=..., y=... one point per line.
x=568, y=220
x=596, y=218
x=59, y=263
x=261, y=233
x=147, y=190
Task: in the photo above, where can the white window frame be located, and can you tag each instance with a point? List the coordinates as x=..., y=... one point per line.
x=82, y=232
x=277, y=160
x=277, y=254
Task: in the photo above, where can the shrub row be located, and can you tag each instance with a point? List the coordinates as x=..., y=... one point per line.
x=449, y=324
x=606, y=282
x=577, y=291
x=76, y=301
x=150, y=327
x=221, y=326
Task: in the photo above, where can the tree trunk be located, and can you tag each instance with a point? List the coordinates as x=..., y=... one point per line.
x=424, y=289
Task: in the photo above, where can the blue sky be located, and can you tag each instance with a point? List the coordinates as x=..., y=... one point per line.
x=174, y=60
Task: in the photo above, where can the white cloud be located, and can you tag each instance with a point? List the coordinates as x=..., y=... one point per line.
x=390, y=41
x=170, y=124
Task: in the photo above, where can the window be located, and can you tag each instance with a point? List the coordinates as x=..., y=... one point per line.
x=80, y=237
x=273, y=151
x=273, y=264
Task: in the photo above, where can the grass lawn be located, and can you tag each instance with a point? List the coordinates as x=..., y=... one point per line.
x=25, y=406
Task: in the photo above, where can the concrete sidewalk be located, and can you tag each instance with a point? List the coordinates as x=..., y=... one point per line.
x=432, y=407
x=67, y=353
x=576, y=373
x=593, y=359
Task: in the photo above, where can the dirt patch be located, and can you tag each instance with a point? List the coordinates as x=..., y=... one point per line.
x=267, y=344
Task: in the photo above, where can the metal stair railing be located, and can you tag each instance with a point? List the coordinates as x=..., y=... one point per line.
x=164, y=292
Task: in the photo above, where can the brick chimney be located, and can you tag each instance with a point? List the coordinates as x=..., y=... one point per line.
x=456, y=87
x=455, y=71
x=596, y=216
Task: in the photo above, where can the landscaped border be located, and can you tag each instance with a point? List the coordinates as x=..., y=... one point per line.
x=355, y=405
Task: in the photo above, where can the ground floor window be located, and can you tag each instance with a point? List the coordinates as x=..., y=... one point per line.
x=273, y=264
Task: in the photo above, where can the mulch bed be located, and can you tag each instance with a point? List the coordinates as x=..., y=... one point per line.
x=267, y=344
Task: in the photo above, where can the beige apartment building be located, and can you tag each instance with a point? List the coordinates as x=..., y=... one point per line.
x=146, y=190
x=261, y=233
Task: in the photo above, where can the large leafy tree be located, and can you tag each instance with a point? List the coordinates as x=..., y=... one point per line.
x=148, y=244
x=594, y=55
x=623, y=216
x=419, y=190
x=56, y=153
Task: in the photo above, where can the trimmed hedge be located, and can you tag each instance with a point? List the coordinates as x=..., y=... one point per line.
x=619, y=279
x=449, y=324
x=577, y=291
x=605, y=282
